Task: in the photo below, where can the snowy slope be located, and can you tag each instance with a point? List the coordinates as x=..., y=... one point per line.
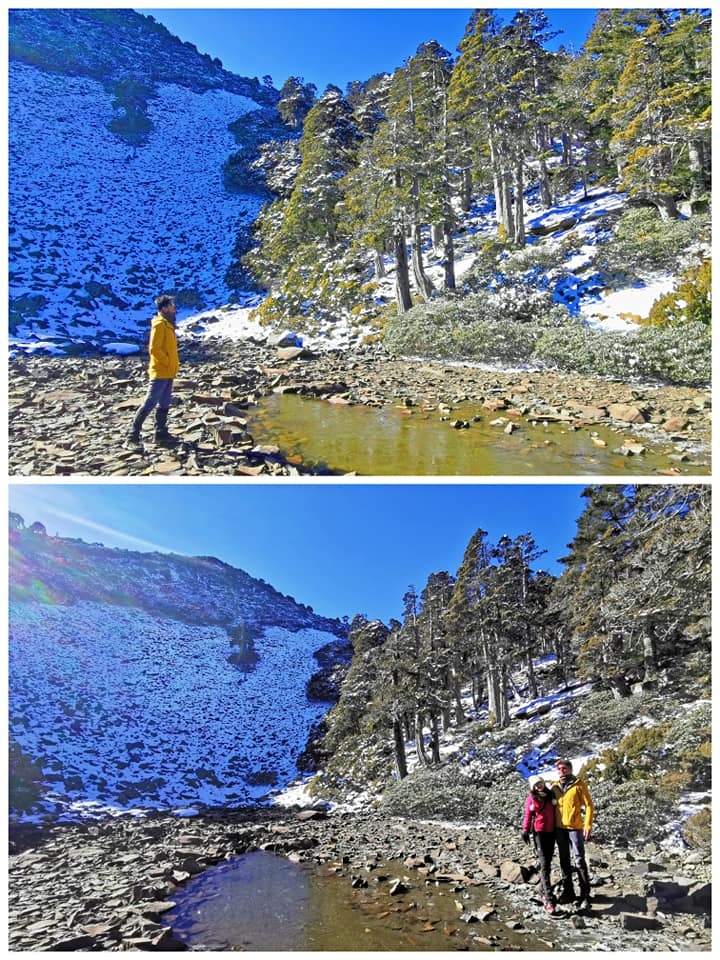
x=122, y=710
x=97, y=227
x=150, y=680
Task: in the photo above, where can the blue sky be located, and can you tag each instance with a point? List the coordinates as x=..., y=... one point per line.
x=341, y=548
x=335, y=44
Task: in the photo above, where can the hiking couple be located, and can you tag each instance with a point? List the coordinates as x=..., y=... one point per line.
x=560, y=813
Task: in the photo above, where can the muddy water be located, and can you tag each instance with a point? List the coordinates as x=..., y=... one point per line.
x=389, y=441
x=263, y=902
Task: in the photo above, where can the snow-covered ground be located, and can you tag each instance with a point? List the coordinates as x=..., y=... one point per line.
x=124, y=711
x=97, y=228
x=599, y=308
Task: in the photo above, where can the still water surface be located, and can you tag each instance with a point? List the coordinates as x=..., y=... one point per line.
x=390, y=441
x=260, y=901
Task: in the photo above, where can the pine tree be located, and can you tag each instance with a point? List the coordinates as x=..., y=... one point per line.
x=378, y=199
x=304, y=255
x=475, y=102
x=636, y=587
x=661, y=111
x=296, y=101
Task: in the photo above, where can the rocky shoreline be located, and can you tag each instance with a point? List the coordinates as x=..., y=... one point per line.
x=106, y=885
x=70, y=415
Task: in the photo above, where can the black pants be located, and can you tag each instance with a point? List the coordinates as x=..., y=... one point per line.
x=545, y=848
x=568, y=840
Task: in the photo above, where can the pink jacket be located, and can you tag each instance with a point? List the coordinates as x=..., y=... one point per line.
x=543, y=807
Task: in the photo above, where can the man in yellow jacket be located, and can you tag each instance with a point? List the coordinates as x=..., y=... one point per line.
x=163, y=368
x=574, y=820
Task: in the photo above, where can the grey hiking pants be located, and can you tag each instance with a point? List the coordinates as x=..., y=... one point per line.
x=158, y=395
x=573, y=841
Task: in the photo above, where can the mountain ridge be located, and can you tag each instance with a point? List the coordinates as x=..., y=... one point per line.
x=39, y=37
x=72, y=570
x=154, y=681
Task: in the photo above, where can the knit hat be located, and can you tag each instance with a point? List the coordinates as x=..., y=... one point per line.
x=534, y=781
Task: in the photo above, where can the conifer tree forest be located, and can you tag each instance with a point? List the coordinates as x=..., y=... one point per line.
x=631, y=607
x=394, y=164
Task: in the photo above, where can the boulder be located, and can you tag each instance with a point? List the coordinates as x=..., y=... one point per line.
x=634, y=921
x=666, y=890
x=626, y=412
x=513, y=872
x=676, y=424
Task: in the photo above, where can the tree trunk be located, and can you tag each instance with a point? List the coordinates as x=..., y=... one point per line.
x=448, y=260
x=501, y=186
x=493, y=689
x=466, y=190
x=618, y=687
x=420, y=741
x=545, y=191
x=519, y=236
x=437, y=236
x=455, y=693
x=402, y=278
x=650, y=655
x=379, y=264
x=422, y=281
x=434, y=738
x=532, y=679
x=399, y=750
x=700, y=181
x=666, y=206
x=476, y=691
x=502, y=703
x=566, y=150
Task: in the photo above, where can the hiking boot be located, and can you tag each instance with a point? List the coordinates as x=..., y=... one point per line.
x=133, y=437
x=163, y=438
x=567, y=896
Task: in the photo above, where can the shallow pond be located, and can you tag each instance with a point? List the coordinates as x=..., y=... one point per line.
x=391, y=441
x=260, y=901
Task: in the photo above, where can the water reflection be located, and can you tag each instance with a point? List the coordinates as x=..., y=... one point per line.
x=261, y=902
x=391, y=441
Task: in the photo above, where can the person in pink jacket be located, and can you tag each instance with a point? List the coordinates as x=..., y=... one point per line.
x=539, y=822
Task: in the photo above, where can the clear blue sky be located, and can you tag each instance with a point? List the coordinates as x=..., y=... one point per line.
x=335, y=44
x=341, y=548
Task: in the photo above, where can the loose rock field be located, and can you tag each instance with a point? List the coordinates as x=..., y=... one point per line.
x=106, y=886
x=70, y=415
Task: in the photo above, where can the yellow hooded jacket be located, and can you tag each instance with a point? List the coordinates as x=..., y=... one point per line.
x=570, y=803
x=164, y=359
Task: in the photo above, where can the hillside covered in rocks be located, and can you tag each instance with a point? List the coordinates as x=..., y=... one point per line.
x=143, y=679
x=118, y=137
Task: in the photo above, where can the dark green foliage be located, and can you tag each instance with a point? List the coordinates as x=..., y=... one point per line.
x=296, y=101
x=23, y=775
x=447, y=794
x=130, y=101
x=646, y=550
x=251, y=131
x=631, y=810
